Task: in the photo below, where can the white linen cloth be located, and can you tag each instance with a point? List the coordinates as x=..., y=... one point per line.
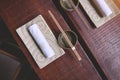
x=103, y=7
x=41, y=41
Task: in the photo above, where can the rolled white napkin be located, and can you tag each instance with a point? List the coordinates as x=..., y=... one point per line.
x=41, y=41
x=103, y=7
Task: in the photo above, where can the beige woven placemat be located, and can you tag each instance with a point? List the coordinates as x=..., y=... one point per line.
x=31, y=45
x=94, y=16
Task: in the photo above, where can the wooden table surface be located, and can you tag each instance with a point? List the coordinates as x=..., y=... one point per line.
x=102, y=43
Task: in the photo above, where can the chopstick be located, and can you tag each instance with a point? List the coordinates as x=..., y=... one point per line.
x=79, y=14
x=65, y=36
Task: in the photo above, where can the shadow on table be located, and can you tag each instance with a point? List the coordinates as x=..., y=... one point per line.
x=8, y=44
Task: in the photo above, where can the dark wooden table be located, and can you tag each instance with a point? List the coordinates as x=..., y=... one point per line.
x=102, y=44
x=17, y=12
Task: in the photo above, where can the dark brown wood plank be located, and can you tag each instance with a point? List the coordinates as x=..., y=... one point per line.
x=17, y=13
x=103, y=42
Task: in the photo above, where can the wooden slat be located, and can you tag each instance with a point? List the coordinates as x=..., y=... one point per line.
x=103, y=42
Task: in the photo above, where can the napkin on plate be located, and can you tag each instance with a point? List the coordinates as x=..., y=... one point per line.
x=41, y=41
x=103, y=7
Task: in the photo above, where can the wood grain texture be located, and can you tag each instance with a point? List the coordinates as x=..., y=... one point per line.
x=117, y=2
x=16, y=13
x=103, y=42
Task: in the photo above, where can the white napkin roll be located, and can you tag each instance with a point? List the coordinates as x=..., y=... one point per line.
x=103, y=7
x=41, y=41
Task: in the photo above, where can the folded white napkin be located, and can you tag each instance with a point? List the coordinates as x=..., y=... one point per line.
x=41, y=41
x=103, y=7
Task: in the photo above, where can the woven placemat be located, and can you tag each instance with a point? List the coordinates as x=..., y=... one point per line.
x=32, y=46
x=94, y=16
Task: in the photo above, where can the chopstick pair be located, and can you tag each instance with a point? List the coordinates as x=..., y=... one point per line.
x=65, y=36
